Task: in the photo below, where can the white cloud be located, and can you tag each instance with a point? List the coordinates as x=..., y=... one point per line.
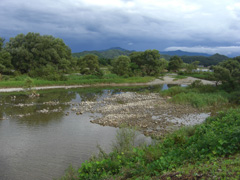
x=226, y=50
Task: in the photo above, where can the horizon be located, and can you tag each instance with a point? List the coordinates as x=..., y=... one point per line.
x=160, y=51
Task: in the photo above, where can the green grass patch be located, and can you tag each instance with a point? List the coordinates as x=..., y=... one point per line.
x=174, y=91
x=177, y=77
x=200, y=100
x=214, y=168
x=75, y=80
x=202, y=75
x=198, y=95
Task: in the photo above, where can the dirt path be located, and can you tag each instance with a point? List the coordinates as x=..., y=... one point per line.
x=166, y=80
x=170, y=80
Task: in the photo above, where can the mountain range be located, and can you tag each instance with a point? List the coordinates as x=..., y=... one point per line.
x=188, y=57
x=116, y=51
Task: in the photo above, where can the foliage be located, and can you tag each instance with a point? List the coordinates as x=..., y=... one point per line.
x=200, y=100
x=175, y=63
x=147, y=62
x=125, y=140
x=228, y=73
x=202, y=75
x=214, y=168
x=72, y=80
x=105, y=54
x=217, y=136
x=198, y=95
x=121, y=66
x=192, y=66
x=70, y=174
x=33, y=51
x=89, y=64
x=5, y=59
x=205, y=61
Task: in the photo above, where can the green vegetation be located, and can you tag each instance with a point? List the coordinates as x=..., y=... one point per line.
x=228, y=73
x=105, y=54
x=175, y=63
x=46, y=59
x=147, y=63
x=205, y=61
x=89, y=64
x=74, y=80
x=5, y=59
x=201, y=151
x=121, y=66
x=36, y=55
x=202, y=75
x=198, y=95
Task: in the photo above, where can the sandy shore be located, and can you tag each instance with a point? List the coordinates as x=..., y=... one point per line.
x=166, y=80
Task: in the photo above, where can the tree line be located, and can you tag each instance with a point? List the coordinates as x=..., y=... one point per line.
x=50, y=58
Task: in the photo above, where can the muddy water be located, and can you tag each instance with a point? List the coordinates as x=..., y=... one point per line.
x=40, y=137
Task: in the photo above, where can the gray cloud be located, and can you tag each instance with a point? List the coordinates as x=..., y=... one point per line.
x=146, y=24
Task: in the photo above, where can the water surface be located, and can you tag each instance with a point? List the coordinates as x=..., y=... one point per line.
x=41, y=137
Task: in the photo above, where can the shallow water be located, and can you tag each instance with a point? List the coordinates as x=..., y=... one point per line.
x=41, y=137
x=39, y=145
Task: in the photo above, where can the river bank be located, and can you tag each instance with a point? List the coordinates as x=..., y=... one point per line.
x=165, y=80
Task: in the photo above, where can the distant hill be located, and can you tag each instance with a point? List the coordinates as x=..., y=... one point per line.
x=187, y=57
x=206, y=61
x=106, y=54
x=183, y=53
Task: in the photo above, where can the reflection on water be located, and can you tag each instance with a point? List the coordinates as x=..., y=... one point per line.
x=39, y=139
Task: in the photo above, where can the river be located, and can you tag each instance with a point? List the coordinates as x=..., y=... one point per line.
x=40, y=137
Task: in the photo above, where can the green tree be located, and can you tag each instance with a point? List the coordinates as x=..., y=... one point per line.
x=89, y=64
x=5, y=59
x=228, y=73
x=1, y=43
x=147, y=62
x=33, y=51
x=121, y=66
x=175, y=63
x=190, y=67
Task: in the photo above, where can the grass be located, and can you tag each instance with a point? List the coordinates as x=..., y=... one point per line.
x=209, y=150
x=177, y=77
x=74, y=80
x=200, y=75
x=198, y=95
x=200, y=100
x=215, y=168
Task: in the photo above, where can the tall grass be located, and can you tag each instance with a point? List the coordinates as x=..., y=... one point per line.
x=200, y=100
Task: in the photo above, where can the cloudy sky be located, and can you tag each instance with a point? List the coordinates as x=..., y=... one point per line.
x=209, y=26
